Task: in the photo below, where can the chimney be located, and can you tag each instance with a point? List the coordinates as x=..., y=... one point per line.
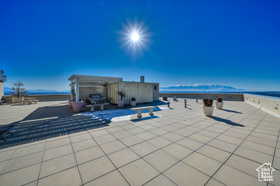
x=142, y=79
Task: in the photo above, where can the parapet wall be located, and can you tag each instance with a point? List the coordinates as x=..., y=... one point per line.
x=50, y=97
x=225, y=96
x=268, y=104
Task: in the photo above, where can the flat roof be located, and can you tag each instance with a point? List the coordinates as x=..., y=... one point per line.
x=88, y=78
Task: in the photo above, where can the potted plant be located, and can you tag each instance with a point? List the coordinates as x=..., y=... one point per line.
x=133, y=102
x=121, y=99
x=208, y=107
x=77, y=106
x=219, y=103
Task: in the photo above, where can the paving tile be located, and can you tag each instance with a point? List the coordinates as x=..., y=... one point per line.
x=158, y=131
x=258, y=147
x=160, y=160
x=24, y=161
x=122, y=134
x=57, y=142
x=201, y=138
x=56, y=165
x=31, y=184
x=230, y=139
x=182, y=174
x=131, y=140
x=177, y=151
x=145, y=135
x=123, y=157
x=201, y=162
x=143, y=148
x=243, y=164
x=138, y=172
x=189, y=143
x=159, y=142
x=112, y=147
x=5, y=155
x=30, y=149
x=223, y=145
x=5, y=166
x=58, y=151
x=21, y=176
x=81, y=137
x=111, y=179
x=160, y=181
x=214, y=182
x=214, y=153
x=233, y=177
x=95, y=168
x=172, y=137
x=69, y=177
x=253, y=155
x=104, y=139
x=89, y=154
x=85, y=144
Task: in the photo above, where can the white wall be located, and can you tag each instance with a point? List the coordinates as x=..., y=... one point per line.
x=268, y=104
x=1, y=90
x=142, y=92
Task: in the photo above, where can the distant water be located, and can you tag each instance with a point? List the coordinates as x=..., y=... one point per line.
x=268, y=93
x=263, y=93
x=40, y=93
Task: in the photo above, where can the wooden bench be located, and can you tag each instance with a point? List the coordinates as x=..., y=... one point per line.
x=140, y=110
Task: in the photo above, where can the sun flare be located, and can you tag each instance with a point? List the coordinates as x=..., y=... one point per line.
x=135, y=36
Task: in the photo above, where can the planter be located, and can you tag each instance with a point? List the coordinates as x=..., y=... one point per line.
x=219, y=105
x=208, y=111
x=70, y=104
x=133, y=103
x=77, y=106
x=121, y=103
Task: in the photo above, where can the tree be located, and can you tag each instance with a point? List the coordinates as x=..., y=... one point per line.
x=3, y=77
x=18, y=89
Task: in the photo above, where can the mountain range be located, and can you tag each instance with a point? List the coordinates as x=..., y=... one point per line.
x=9, y=91
x=201, y=87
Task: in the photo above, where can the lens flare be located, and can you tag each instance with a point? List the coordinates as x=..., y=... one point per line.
x=134, y=37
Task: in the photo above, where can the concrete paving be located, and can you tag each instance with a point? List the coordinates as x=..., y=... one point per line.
x=180, y=147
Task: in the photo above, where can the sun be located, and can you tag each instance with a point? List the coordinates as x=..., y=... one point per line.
x=134, y=36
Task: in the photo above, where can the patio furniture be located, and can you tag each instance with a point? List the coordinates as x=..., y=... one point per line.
x=100, y=105
x=140, y=110
x=165, y=98
x=97, y=100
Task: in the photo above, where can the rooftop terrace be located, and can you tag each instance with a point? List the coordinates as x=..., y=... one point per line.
x=179, y=147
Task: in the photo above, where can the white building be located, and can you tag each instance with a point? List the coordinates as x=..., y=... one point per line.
x=2, y=80
x=112, y=87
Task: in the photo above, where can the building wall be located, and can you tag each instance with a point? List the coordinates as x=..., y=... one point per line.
x=142, y=92
x=112, y=92
x=50, y=97
x=1, y=89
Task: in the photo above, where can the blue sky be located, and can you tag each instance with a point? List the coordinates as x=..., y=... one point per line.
x=234, y=43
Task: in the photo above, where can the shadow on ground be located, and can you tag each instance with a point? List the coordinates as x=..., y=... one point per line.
x=47, y=122
x=227, y=121
x=233, y=111
x=144, y=118
x=52, y=121
x=50, y=111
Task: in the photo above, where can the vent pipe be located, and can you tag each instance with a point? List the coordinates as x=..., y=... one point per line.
x=142, y=79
